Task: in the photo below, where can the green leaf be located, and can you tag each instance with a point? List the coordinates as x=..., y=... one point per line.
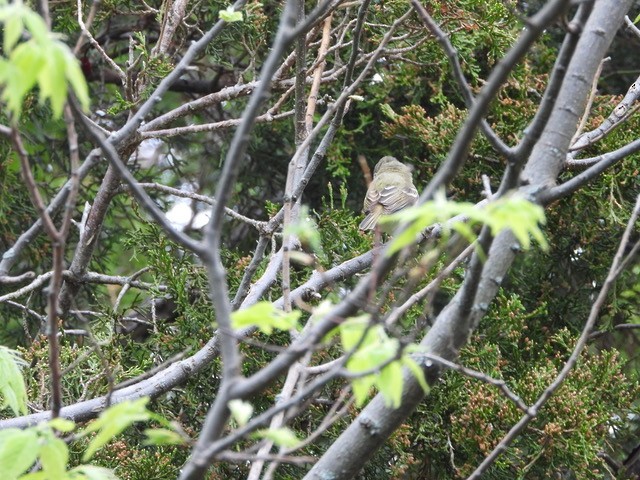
x=519, y=215
x=241, y=411
x=13, y=27
x=12, y=387
x=465, y=231
x=62, y=425
x=52, y=81
x=54, y=455
x=389, y=382
x=36, y=26
x=20, y=74
x=362, y=388
x=230, y=15
x=41, y=59
x=512, y=212
x=352, y=330
x=76, y=79
x=417, y=372
x=439, y=210
x=266, y=317
x=91, y=472
x=282, y=437
x=113, y=421
x=162, y=436
x=375, y=349
x=19, y=450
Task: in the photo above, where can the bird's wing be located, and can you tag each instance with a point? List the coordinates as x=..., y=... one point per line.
x=371, y=200
x=393, y=198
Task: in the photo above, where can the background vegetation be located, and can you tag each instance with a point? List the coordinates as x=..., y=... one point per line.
x=137, y=300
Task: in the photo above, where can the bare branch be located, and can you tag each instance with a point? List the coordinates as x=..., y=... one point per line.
x=114, y=158
x=599, y=164
x=620, y=114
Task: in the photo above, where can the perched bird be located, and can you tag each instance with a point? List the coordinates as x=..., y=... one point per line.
x=391, y=190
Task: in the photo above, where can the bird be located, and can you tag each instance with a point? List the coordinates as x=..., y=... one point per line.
x=391, y=190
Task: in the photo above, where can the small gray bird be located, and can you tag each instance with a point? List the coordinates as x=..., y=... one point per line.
x=391, y=190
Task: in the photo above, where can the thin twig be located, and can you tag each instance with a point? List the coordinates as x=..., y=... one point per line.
x=116, y=162
x=240, y=457
x=152, y=371
x=396, y=313
x=599, y=165
x=501, y=384
x=632, y=26
x=209, y=127
x=57, y=243
x=94, y=43
x=592, y=96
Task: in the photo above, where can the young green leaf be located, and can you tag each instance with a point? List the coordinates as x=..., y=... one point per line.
x=352, y=330
x=52, y=81
x=439, y=210
x=374, y=350
x=62, y=424
x=76, y=79
x=19, y=450
x=519, y=215
x=362, y=388
x=282, y=437
x=389, y=382
x=413, y=366
x=54, y=455
x=162, y=436
x=241, y=411
x=12, y=388
x=230, y=15
x=36, y=25
x=512, y=212
x=13, y=27
x=266, y=317
x=113, y=421
x=91, y=472
x=18, y=76
x=41, y=60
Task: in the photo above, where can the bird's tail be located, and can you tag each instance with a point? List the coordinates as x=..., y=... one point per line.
x=370, y=221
